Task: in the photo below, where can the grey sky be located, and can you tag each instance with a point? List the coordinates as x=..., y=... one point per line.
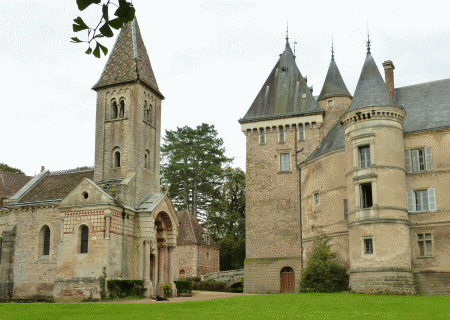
x=210, y=60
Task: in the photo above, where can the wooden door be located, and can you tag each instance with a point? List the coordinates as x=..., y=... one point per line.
x=287, y=280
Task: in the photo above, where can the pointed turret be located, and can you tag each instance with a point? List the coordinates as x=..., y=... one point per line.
x=128, y=61
x=284, y=93
x=334, y=85
x=371, y=90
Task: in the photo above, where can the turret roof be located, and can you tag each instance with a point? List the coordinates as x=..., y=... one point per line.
x=128, y=61
x=285, y=92
x=371, y=90
x=334, y=85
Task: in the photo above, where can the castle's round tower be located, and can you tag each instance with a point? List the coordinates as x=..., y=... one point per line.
x=379, y=241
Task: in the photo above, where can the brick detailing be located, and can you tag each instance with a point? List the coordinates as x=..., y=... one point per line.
x=95, y=218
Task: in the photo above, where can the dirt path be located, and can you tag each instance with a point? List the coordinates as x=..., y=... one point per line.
x=198, y=295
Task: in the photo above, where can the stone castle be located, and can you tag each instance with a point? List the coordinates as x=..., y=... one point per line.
x=60, y=229
x=371, y=171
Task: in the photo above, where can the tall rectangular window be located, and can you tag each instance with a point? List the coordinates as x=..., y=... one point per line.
x=284, y=162
x=262, y=136
x=301, y=133
x=421, y=200
x=345, y=209
x=419, y=160
x=316, y=198
x=364, y=157
x=425, y=244
x=368, y=246
x=281, y=134
x=365, y=190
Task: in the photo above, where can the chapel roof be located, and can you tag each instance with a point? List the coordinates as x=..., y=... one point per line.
x=56, y=185
x=128, y=61
x=334, y=85
x=10, y=183
x=285, y=92
x=190, y=231
x=371, y=90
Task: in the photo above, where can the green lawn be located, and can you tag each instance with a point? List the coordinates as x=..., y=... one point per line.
x=278, y=306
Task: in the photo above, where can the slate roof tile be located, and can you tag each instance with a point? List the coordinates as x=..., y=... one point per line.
x=190, y=231
x=10, y=183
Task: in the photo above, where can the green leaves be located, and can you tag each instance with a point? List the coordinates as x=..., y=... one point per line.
x=79, y=25
x=125, y=13
x=83, y=4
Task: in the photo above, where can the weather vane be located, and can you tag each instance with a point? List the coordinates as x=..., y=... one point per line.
x=332, y=47
x=295, y=42
x=368, y=38
x=287, y=34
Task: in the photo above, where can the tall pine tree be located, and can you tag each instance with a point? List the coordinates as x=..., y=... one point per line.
x=192, y=165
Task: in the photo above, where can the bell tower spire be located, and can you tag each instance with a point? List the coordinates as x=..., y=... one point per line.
x=128, y=121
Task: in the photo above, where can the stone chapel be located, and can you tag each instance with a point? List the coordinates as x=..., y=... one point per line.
x=61, y=229
x=372, y=171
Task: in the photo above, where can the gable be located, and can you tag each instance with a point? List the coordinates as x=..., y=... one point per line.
x=86, y=193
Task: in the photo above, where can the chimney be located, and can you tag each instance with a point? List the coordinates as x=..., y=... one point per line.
x=389, y=76
x=42, y=168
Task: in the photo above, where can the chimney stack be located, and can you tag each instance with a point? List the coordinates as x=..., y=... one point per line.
x=389, y=76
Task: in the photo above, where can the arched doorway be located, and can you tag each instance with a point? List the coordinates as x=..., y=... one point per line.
x=287, y=280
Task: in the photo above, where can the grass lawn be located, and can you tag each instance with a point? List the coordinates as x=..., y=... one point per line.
x=278, y=306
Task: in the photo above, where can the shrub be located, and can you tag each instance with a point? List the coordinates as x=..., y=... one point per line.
x=209, y=286
x=323, y=273
x=125, y=288
x=167, y=289
x=183, y=286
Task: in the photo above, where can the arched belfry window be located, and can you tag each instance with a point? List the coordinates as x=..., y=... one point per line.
x=145, y=111
x=122, y=109
x=84, y=239
x=114, y=110
x=117, y=159
x=45, y=234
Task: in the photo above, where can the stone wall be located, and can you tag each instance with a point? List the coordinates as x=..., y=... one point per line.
x=433, y=283
x=209, y=259
x=382, y=281
x=77, y=288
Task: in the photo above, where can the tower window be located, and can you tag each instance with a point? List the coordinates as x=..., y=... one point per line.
x=84, y=239
x=284, y=162
x=262, y=136
x=114, y=110
x=364, y=157
x=345, y=209
x=330, y=103
x=301, y=133
x=147, y=159
x=365, y=190
x=117, y=159
x=46, y=240
x=149, y=114
x=316, y=198
x=122, y=109
x=281, y=134
x=368, y=246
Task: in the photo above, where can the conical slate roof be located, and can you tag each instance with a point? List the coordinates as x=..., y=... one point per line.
x=371, y=90
x=334, y=85
x=128, y=61
x=284, y=93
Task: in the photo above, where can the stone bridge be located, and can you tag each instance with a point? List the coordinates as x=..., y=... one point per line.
x=230, y=277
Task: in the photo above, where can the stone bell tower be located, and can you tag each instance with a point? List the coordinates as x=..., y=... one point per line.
x=378, y=222
x=128, y=121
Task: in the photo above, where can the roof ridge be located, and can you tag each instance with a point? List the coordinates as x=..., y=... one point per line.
x=419, y=84
x=68, y=171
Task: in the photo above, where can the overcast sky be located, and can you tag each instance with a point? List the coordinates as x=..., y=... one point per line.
x=210, y=60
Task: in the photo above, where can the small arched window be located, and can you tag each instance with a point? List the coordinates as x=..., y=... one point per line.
x=45, y=242
x=114, y=110
x=145, y=111
x=84, y=239
x=182, y=273
x=117, y=159
x=122, y=109
x=149, y=115
x=147, y=160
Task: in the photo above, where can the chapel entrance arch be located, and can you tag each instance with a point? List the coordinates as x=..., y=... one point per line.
x=287, y=280
x=165, y=243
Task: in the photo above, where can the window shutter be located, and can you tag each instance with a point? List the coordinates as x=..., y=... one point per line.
x=408, y=161
x=428, y=159
x=411, y=202
x=432, y=199
x=415, y=160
